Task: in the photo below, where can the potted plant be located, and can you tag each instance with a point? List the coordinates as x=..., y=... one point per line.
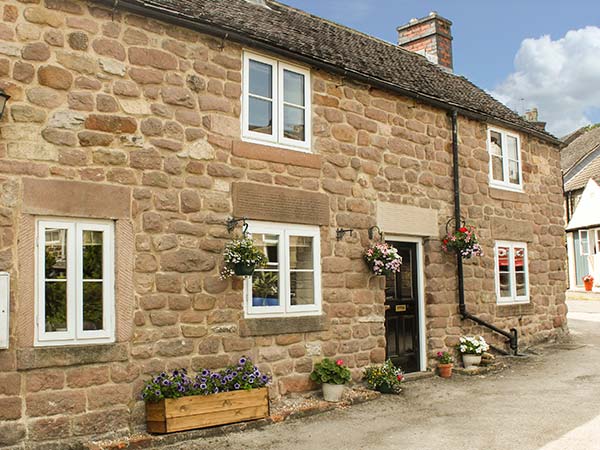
x=385, y=378
x=588, y=282
x=463, y=241
x=177, y=401
x=265, y=286
x=241, y=257
x=333, y=376
x=445, y=364
x=471, y=349
x=383, y=259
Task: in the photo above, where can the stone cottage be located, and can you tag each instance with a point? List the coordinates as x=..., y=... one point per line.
x=136, y=130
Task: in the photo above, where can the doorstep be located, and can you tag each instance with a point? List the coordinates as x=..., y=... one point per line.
x=496, y=366
x=290, y=407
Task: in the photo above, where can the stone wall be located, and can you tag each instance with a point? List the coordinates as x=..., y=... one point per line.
x=120, y=100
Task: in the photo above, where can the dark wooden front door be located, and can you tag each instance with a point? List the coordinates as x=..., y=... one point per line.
x=402, y=308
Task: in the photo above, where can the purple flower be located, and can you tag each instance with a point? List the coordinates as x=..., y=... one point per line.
x=175, y=373
x=250, y=379
x=242, y=361
x=205, y=373
x=264, y=378
x=203, y=386
x=216, y=390
x=236, y=386
x=157, y=393
x=166, y=383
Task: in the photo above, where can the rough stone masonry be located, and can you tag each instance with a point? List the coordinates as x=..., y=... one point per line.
x=126, y=118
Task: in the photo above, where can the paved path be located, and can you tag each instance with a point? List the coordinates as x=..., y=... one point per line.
x=539, y=403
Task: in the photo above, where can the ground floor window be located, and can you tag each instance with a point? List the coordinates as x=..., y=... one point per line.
x=512, y=274
x=74, y=286
x=290, y=283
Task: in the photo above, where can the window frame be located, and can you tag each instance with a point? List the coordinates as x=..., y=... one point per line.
x=513, y=299
x=505, y=184
x=277, y=138
x=75, y=334
x=285, y=308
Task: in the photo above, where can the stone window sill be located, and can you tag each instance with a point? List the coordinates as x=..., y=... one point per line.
x=42, y=357
x=276, y=155
x=511, y=196
x=283, y=325
x=515, y=310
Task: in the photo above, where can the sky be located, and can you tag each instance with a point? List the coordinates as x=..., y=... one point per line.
x=526, y=53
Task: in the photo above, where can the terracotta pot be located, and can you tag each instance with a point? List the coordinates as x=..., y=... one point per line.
x=588, y=285
x=332, y=392
x=445, y=370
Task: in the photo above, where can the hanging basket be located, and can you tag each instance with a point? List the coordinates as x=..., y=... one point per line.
x=243, y=270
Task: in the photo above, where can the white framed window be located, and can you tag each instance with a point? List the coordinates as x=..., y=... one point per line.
x=505, y=159
x=75, y=299
x=584, y=242
x=290, y=284
x=276, y=103
x=512, y=272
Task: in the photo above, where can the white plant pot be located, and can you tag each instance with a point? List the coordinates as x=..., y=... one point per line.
x=471, y=361
x=332, y=392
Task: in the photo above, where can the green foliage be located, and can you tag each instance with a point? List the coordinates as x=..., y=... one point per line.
x=265, y=284
x=445, y=358
x=386, y=377
x=242, y=251
x=328, y=371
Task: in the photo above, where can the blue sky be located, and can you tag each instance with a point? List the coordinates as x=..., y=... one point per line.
x=488, y=36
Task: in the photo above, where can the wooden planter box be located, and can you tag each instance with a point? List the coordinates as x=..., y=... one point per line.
x=202, y=411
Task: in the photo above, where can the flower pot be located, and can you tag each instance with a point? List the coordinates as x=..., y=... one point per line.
x=471, y=361
x=332, y=392
x=243, y=270
x=588, y=285
x=258, y=301
x=445, y=370
x=272, y=301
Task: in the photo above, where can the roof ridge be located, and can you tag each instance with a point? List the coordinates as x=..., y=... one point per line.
x=361, y=33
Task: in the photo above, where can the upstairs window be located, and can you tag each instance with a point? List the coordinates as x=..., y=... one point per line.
x=505, y=159
x=276, y=106
x=75, y=290
x=512, y=274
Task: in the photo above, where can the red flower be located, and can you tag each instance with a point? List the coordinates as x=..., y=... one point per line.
x=445, y=241
x=463, y=230
x=340, y=362
x=400, y=377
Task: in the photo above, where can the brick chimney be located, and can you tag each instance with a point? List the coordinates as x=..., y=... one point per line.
x=531, y=115
x=430, y=37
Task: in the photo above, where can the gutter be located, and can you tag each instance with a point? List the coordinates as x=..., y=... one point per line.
x=512, y=335
x=165, y=15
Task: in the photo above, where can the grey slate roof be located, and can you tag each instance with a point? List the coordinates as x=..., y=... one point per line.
x=578, y=148
x=317, y=39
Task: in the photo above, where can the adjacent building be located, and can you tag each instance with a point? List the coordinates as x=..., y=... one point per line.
x=136, y=130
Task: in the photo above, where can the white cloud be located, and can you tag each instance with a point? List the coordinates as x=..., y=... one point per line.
x=561, y=78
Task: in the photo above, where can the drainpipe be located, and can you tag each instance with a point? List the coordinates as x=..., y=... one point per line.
x=462, y=308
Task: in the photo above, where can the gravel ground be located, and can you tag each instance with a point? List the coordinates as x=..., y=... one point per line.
x=546, y=402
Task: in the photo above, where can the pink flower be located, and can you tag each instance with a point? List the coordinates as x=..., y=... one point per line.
x=340, y=362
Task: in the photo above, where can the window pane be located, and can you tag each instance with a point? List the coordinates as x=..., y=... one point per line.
x=513, y=172
x=56, y=305
x=260, y=118
x=505, y=285
x=302, y=288
x=265, y=288
x=293, y=88
x=583, y=239
x=511, y=143
x=92, y=255
x=497, y=168
x=301, y=252
x=293, y=123
x=92, y=305
x=503, y=261
x=56, y=253
x=519, y=259
x=269, y=243
x=261, y=79
x=521, y=286
x=495, y=143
